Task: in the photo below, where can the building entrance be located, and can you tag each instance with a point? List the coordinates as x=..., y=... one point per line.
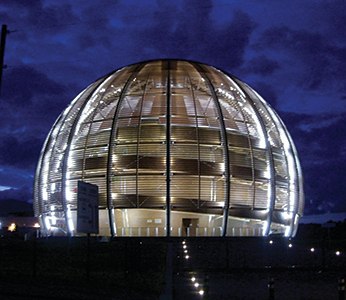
x=190, y=226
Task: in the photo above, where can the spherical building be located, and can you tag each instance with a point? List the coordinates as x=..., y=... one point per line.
x=176, y=148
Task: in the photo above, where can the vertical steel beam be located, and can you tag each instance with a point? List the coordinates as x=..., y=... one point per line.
x=198, y=140
x=299, y=196
x=68, y=147
x=139, y=136
x=4, y=32
x=168, y=152
x=112, y=135
x=38, y=199
x=269, y=153
x=224, y=141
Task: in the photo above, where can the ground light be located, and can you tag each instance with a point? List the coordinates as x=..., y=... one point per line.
x=197, y=285
x=193, y=279
x=12, y=227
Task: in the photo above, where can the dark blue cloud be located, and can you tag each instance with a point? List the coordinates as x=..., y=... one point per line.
x=23, y=193
x=22, y=83
x=325, y=177
x=30, y=102
x=36, y=14
x=293, y=54
x=15, y=178
x=320, y=61
x=266, y=91
x=20, y=152
x=262, y=65
x=190, y=34
x=321, y=146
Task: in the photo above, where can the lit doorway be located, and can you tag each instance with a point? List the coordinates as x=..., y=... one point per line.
x=190, y=226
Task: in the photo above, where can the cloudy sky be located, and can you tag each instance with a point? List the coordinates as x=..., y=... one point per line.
x=293, y=52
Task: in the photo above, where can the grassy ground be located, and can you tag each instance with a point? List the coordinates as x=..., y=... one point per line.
x=252, y=284
x=59, y=268
x=134, y=268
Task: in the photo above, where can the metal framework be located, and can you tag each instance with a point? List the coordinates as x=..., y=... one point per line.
x=176, y=148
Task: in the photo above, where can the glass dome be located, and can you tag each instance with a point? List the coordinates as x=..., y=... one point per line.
x=176, y=148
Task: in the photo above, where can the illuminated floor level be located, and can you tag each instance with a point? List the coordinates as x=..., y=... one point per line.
x=152, y=223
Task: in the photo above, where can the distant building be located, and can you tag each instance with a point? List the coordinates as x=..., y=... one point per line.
x=177, y=148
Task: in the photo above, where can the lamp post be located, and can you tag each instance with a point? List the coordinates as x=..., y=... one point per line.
x=4, y=33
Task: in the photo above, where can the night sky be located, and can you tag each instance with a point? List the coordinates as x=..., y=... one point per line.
x=292, y=52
